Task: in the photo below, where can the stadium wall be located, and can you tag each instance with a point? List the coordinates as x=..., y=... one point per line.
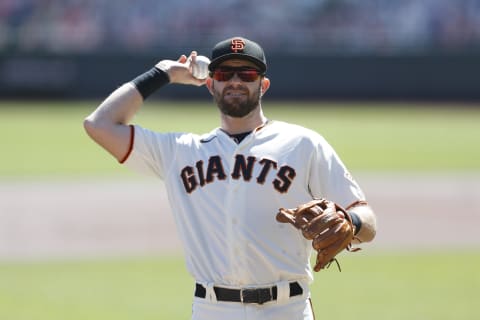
x=305, y=77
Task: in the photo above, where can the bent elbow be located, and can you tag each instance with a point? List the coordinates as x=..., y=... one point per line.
x=93, y=128
x=89, y=126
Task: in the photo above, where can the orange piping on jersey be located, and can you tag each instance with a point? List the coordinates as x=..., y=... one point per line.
x=311, y=306
x=130, y=145
x=356, y=203
x=261, y=126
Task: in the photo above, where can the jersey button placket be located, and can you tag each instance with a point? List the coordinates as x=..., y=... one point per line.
x=234, y=210
x=242, y=186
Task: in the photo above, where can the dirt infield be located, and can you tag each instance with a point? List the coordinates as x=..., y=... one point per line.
x=59, y=219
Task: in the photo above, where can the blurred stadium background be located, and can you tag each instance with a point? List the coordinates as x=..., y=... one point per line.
x=395, y=49
x=362, y=59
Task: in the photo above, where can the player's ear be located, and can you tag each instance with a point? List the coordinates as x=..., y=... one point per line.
x=265, y=85
x=209, y=84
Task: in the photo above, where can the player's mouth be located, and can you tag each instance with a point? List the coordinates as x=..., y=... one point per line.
x=235, y=93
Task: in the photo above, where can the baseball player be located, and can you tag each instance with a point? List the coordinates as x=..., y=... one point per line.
x=229, y=188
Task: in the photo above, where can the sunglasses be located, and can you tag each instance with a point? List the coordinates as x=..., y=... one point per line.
x=245, y=74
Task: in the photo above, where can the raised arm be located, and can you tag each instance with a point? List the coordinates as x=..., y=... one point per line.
x=108, y=125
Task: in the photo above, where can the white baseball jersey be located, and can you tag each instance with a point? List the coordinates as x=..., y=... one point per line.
x=225, y=196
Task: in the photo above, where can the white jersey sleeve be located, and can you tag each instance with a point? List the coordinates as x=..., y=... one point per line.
x=329, y=177
x=151, y=151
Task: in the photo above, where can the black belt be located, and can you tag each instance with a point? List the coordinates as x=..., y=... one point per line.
x=249, y=295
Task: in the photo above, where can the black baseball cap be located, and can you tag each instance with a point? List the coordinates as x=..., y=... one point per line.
x=238, y=48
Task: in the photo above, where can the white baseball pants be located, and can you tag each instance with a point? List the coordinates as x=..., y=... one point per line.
x=295, y=308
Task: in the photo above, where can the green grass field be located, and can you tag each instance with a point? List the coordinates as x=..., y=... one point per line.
x=414, y=286
x=46, y=140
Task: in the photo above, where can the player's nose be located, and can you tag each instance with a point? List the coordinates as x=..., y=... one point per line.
x=235, y=78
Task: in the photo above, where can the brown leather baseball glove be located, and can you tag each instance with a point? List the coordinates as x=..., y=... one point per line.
x=326, y=223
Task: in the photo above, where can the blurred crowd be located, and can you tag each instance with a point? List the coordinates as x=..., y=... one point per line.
x=363, y=26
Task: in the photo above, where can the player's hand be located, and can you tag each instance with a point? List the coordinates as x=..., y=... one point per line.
x=180, y=71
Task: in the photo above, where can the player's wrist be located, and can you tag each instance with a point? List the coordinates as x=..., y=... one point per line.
x=150, y=81
x=356, y=221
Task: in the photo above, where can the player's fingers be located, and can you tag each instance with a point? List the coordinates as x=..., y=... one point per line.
x=182, y=59
x=193, y=55
x=191, y=60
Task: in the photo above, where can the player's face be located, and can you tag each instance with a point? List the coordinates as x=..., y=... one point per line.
x=237, y=94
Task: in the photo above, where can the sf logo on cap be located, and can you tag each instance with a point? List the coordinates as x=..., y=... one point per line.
x=237, y=45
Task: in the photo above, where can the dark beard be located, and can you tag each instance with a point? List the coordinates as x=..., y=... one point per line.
x=237, y=107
